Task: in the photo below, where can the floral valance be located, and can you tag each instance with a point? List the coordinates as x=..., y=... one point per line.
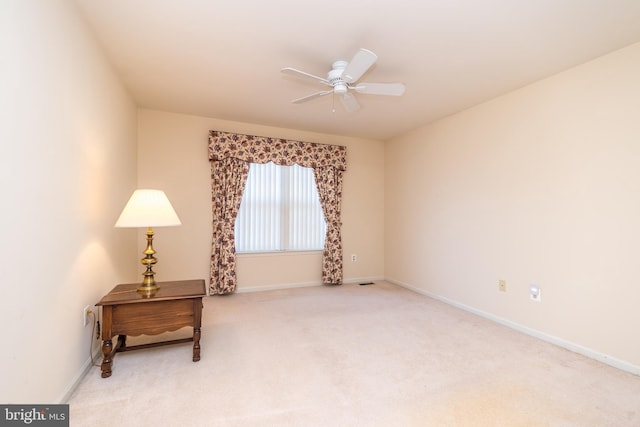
x=284, y=152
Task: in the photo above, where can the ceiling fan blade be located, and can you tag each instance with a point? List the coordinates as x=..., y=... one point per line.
x=312, y=96
x=361, y=62
x=301, y=74
x=350, y=103
x=393, y=89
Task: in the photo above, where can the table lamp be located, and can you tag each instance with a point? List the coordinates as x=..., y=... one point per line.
x=148, y=208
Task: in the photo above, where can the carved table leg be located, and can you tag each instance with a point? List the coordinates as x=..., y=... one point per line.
x=196, y=344
x=106, y=361
x=197, y=322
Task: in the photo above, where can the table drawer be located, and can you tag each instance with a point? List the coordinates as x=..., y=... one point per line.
x=152, y=318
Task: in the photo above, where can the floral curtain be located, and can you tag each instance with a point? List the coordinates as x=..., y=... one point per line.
x=227, y=151
x=228, y=179
x=329, y=183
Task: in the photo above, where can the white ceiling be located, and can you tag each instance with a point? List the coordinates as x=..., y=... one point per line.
x=222, y=58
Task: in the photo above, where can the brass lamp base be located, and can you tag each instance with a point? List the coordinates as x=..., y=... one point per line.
x=148, y=290
x=149, y=286
x=147, y=293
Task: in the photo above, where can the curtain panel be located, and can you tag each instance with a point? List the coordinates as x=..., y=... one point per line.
x=230, y=155
x=228, y=179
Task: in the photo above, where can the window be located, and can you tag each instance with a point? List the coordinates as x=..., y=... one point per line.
x=280, y=211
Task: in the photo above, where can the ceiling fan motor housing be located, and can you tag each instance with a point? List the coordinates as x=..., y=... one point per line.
x=335, y=77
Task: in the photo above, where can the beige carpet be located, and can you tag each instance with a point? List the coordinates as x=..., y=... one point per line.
x=376, y=355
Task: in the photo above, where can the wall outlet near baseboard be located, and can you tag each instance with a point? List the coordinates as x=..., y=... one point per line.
x=502, y=285
x=85, y=315
x=535, y=293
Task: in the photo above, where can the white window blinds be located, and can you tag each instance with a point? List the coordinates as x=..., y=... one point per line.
x=280, y=211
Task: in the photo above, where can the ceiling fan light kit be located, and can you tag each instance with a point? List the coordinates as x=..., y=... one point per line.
x=343, y=77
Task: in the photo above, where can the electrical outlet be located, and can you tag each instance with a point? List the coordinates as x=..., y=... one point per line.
x=354, y=257
x=535, y=294
x=502, y=285
x=85, y=316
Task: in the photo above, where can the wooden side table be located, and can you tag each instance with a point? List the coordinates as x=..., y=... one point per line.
x=126, y=312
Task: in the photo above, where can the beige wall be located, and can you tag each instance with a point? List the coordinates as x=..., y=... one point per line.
x=172, y=150
x=540, y=186
x=68, y=162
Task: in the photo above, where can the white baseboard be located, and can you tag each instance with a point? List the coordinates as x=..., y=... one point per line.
x=363, y=279
x=241, y=290
x=302, y=285
x=86, y=367
x=576, y=348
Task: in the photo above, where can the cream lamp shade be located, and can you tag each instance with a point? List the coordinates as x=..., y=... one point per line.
x=148, y=208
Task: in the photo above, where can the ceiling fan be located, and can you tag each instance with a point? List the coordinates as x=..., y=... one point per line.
x=343, y=81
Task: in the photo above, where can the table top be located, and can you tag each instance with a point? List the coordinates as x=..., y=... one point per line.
x=127, y=293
